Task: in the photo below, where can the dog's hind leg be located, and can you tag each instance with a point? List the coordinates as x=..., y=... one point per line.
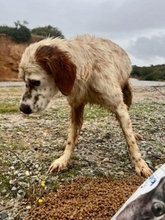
x=127, y=97
x=140, y=165
x=75, y=124
x=127, y=94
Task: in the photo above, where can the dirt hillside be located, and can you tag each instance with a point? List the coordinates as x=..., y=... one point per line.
x=10, y=54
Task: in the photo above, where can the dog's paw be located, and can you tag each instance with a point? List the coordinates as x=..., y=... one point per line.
x=58, y=165
x=142, y=169
x=138, y=136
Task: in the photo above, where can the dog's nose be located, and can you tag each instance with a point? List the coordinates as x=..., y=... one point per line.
x=25, y=108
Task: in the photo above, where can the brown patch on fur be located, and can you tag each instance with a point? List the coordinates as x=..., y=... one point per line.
x=27, y=95
x=96, y=67
x=133, y=158
x=36, y=98
x=57, y=62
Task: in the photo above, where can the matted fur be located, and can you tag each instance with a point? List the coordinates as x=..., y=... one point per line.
x=85, y=69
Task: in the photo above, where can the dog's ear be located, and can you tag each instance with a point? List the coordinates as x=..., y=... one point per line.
x=57, y=62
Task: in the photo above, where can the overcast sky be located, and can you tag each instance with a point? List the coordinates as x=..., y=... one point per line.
x=136, y=25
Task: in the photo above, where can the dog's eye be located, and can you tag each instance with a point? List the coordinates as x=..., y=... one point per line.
x=33, y=82
x=158, y=208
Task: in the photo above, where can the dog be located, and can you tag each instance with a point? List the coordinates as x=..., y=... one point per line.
x=85, y=69
x=149, y=206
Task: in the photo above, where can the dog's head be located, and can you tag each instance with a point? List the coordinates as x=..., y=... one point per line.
x=45, y=70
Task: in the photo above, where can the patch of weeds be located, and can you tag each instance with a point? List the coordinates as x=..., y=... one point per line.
x=90, y=112
x=59, y=112
x=99, y=173
x=49, y=159
x=35, y=193
x=33, y=186
x=153, y=161
x=60, y=147
x=69, y=172
x=94, y=112
x=75, y=157
x=53, y=185
x=4, y=182
x=8, y=107
x=124, y=158
x=16, y=146
x=142, y=108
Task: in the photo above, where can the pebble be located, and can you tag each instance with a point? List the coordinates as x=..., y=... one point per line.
x=28, y=207
x=106, y=159
x=3, y=215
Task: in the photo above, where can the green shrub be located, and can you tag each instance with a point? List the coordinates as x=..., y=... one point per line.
x=21, y=34
x=47, y=31
x=153, y=73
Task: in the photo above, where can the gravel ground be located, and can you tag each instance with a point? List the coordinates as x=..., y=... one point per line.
x=29, y=144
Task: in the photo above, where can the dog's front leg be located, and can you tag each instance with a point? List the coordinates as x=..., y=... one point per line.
x=140, y=165
x=75, y=124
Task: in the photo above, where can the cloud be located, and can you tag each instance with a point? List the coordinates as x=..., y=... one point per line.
x=102, y=16
x=127, y=17
x=148, y=48
x=137, y=26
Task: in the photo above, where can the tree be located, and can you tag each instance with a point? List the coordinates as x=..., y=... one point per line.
x=6, y=30
x=17, y=24
x=152, y=72
x=47, y=31
x=21, y=33
x=135, y=71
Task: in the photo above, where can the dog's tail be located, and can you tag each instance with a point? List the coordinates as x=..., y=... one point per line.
x=127, y=94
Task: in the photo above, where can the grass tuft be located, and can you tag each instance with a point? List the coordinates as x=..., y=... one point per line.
x=8, y=107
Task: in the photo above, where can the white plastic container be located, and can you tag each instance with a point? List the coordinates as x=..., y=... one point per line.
x=148, y=202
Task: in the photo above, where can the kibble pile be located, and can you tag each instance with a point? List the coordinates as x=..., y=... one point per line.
x=86, y=198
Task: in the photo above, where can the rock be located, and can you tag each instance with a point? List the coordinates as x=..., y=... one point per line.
x=3, y=215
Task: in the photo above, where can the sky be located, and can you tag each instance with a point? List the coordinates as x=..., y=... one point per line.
x=138, y=26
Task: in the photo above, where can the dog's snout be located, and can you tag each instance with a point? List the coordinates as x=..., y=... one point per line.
x=25, y=108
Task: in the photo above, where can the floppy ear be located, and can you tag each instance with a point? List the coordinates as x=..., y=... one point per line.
x=57, y=62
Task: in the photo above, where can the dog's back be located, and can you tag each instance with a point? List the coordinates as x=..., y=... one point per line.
x=101, y=66
x=105, y=54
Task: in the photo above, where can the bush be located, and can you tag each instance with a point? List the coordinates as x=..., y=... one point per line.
x=153, y=73
x=21, y=34
x=47, y=31
x=6, y=30
x=155, y=76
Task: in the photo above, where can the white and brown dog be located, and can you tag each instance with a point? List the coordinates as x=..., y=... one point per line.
x=85, y=69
